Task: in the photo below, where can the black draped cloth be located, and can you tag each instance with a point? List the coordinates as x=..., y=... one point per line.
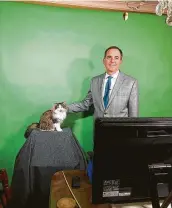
x=43, y=154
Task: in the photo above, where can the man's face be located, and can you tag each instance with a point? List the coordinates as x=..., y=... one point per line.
x=112, y=61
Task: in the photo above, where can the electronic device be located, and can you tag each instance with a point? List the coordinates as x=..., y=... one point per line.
x=132, y=159
x=75, y=182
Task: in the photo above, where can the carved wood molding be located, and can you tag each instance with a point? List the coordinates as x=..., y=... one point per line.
x=114, y=5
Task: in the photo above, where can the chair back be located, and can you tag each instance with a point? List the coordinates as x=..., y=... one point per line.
x=5, y=193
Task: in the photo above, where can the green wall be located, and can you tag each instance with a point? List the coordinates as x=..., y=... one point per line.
x=49, y=54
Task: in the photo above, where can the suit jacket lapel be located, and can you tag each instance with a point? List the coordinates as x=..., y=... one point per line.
x=100, y=87
x=116, y=87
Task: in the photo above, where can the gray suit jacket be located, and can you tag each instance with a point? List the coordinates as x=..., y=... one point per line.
x=123, y=101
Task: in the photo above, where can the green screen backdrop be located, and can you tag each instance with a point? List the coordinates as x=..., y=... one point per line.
x=49, y=54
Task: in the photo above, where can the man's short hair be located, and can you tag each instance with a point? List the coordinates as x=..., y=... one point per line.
x=113, y=47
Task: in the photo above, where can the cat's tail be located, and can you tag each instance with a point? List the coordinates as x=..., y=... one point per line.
x=30, y=128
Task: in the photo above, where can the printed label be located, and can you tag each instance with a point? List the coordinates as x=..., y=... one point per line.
x=110, y=193
x=111, y=188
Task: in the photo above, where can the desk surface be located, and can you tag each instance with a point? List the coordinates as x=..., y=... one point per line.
x=59, y=189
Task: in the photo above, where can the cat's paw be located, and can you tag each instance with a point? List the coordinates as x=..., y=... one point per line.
x=59, y=129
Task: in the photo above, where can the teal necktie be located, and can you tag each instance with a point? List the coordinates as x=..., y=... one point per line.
x=107, y=90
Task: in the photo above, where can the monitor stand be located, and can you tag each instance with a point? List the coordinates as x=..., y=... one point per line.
x=160, y=170
x=167, y=201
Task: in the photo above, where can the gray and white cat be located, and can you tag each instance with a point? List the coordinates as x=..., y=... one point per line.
x=51, y=120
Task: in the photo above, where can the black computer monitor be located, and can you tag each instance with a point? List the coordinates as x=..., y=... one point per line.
x=126, y=152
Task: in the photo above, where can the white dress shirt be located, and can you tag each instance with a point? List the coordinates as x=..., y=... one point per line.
x=113, y=80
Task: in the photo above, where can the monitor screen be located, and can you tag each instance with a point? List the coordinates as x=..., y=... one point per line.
x=124, y=149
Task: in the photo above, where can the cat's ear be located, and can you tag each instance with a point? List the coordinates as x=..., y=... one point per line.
x=64, y=102
x=53, y=107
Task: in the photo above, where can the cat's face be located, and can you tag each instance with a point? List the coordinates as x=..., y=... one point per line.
x=60, y=108
x=60, y=112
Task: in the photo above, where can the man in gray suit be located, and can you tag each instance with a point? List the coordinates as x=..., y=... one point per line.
x=113, y=94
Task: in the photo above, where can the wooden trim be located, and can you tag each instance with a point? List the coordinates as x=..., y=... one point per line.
x=112, y=5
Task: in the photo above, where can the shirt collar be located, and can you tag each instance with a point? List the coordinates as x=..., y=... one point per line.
x=113, y=75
